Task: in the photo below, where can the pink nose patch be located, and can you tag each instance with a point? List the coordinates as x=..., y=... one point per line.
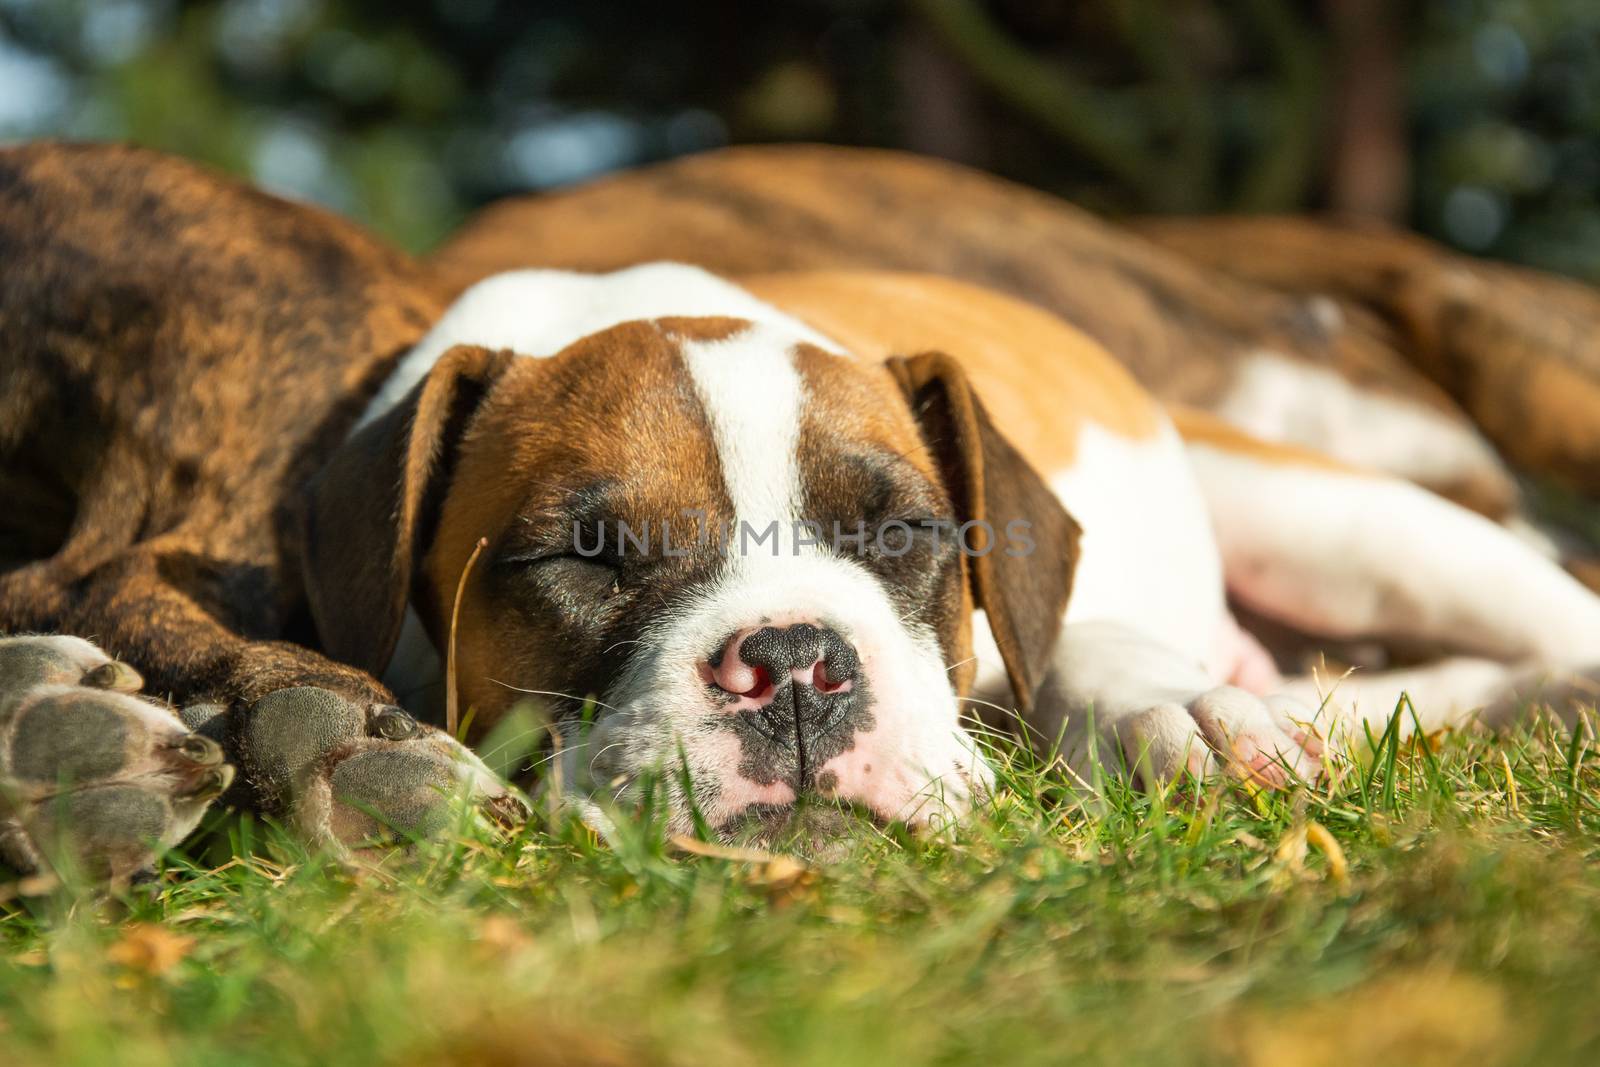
x=736, y=676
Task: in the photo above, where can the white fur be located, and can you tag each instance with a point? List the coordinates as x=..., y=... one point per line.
x=1281, y=399
x=1147, y=559
x=540, y=312
x=751, y=393
x=1148, y=642
x=1150, y=705
x=1336, y=553
x=1354, y=555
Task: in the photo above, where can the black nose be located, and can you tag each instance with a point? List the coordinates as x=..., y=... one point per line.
x=800, y=697
x=801, y=647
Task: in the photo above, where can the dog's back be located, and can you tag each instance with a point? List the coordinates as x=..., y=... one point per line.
x=1304, y=370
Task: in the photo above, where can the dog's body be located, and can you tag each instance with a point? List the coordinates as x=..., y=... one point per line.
x=546, y=412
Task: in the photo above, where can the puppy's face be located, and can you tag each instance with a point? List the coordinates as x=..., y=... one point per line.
x=642, y=494
x=728, y=559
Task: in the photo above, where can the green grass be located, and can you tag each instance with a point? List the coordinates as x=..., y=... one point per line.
x=1055, y=929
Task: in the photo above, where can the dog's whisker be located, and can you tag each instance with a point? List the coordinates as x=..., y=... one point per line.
x=556, y=693
x=1001, y=708
x=506, y=743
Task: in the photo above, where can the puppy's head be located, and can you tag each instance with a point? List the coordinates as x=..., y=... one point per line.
x=736, y=563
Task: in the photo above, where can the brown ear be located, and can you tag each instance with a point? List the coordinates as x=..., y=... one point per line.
x=1023, y=592
x=374, y=506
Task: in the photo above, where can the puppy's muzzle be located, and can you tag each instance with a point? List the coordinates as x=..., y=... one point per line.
x=798, y=683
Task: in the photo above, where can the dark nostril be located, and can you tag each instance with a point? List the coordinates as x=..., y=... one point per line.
x=763, y=681
x=821, y=682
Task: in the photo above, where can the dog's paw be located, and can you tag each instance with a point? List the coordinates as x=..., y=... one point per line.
x=1261, y=740
x=93, y=779
x=347, y=774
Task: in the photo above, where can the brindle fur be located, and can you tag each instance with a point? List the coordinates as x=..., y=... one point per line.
x=179, y=353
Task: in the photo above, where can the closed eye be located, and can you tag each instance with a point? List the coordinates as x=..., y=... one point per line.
x=584, y=534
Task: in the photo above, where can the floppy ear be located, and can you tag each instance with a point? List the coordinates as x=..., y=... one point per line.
x=374, y=506
x=1024, y=593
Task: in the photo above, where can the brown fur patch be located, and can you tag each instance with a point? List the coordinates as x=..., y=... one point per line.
x=553, y=428
x=1514, y=346
x=1180, y=327
x=1040, y=379
x=806, y=207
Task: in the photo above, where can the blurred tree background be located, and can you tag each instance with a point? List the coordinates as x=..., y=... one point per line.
x=1475, y=121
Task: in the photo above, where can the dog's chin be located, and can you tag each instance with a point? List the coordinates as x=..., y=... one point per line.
x=814, y=828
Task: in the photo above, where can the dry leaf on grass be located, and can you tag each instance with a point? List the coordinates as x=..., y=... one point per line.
x=696, y=847
x=1318, y=837
x=784, y=878
x=150, y=948
x=1291, y=853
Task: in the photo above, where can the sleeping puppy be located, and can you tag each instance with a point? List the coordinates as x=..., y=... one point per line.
x=781, y=555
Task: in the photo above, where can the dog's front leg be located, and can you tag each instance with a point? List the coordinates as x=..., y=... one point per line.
x=315, y=744
x=1116, y=699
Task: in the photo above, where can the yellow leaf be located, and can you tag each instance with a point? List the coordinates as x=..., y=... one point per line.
x=1291, y=851
x=1318, y=837
x=150, y=949
x=696, y=847
x=785, y=879
x=1511, y=785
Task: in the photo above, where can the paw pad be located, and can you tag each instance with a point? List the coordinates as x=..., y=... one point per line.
x=93, y=779
x=345, y=773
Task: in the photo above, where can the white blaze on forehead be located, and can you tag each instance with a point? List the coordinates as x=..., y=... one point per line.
x=752, y=396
